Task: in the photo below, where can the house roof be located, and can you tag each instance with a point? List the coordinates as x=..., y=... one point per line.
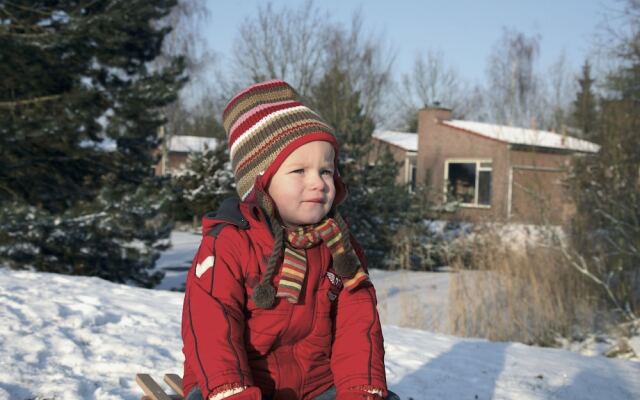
x=405, y=140
x=508, y=134
x=187, y=144
x=522, y=136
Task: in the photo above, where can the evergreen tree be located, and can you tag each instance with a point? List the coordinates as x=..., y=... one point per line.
x=375, y=202
x=584, y=106
x=607, y=185
x=206, y=180
x=78, y=120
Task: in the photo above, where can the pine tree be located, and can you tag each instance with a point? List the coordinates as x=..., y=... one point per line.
x=79, y=112
x=607, y=185
x=206, y=180
x=584, y=106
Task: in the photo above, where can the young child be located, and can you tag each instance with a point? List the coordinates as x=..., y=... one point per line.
x=278, y=304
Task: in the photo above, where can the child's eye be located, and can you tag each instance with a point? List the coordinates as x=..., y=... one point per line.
x=327, y=172
x=298, y=171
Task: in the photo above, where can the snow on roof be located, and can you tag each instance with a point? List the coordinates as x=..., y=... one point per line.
x=187, y=144
x=405, y=140
x=522, y=136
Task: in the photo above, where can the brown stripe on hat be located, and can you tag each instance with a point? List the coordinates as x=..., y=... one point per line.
x=252, y=98
x=272, y=126
x=244, y=155
x=258, y=165
x=262, y=153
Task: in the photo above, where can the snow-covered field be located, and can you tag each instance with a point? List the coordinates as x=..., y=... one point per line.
x=65, y=337
x=84, y=338
x=410, y=299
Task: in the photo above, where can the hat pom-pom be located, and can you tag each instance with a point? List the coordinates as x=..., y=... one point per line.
x=264, y=295
x=346, y=264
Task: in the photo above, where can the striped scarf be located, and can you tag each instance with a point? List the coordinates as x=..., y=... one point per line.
x=294, y=266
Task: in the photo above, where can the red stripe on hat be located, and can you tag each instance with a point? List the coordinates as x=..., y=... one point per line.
x=271, y=83
x=252, y=119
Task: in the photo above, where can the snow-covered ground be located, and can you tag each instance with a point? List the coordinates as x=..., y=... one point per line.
x=65, y=337
x=177, y=259
x=68, y=337
x=408, y=299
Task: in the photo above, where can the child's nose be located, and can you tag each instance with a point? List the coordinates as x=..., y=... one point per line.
x=316, y=181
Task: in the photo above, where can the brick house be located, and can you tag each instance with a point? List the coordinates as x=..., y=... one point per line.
x=177, y=151
x=496, y=172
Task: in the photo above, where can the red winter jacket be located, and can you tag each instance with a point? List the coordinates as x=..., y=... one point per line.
x=292, y=351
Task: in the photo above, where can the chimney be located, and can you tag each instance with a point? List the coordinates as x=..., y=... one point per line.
x=428, y=123
x=428, y=119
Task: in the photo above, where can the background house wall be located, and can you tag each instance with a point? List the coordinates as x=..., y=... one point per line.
x=178, y=148
x=527, y=182
x=175, y=161
x=538, y=191
x=437, y=143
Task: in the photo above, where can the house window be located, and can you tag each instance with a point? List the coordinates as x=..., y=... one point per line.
x=469, y=181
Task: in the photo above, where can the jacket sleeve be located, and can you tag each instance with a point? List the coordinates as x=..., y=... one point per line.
x=212, y=318
x=357, y=358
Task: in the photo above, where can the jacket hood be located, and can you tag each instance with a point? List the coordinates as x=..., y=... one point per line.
x=228, y=213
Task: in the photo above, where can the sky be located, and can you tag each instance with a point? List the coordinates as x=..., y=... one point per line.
x=464, y=31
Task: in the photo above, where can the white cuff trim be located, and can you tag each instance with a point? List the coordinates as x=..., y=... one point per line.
x=227, y=393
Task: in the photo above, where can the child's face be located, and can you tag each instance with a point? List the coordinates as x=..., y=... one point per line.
x=303, y=188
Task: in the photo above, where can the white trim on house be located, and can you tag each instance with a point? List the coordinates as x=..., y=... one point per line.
x=535, y=168
x=509, y=193
x=408, y=164
x=479, y=168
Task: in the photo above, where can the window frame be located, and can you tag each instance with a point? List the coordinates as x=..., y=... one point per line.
x=478, y=162
x=410, y=164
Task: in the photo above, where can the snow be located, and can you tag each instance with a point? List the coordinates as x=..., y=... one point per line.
x=405, y=140
x=188, y=144
x=177, y=260
x=634, y=342
x=509, y=134
x=522, y=136
x=69, y=337
x=413, y=299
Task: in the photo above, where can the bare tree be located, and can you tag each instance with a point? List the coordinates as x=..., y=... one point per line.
x=285, y=44
x=431, y=81
x=301, y=45
x=187, y=20
x=513, y=90
x=560, y=89
x=364, y=58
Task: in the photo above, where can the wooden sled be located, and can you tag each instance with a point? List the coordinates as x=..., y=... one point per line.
x=153, y=391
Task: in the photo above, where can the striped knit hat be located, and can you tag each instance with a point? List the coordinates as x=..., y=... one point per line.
x=265, y=123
